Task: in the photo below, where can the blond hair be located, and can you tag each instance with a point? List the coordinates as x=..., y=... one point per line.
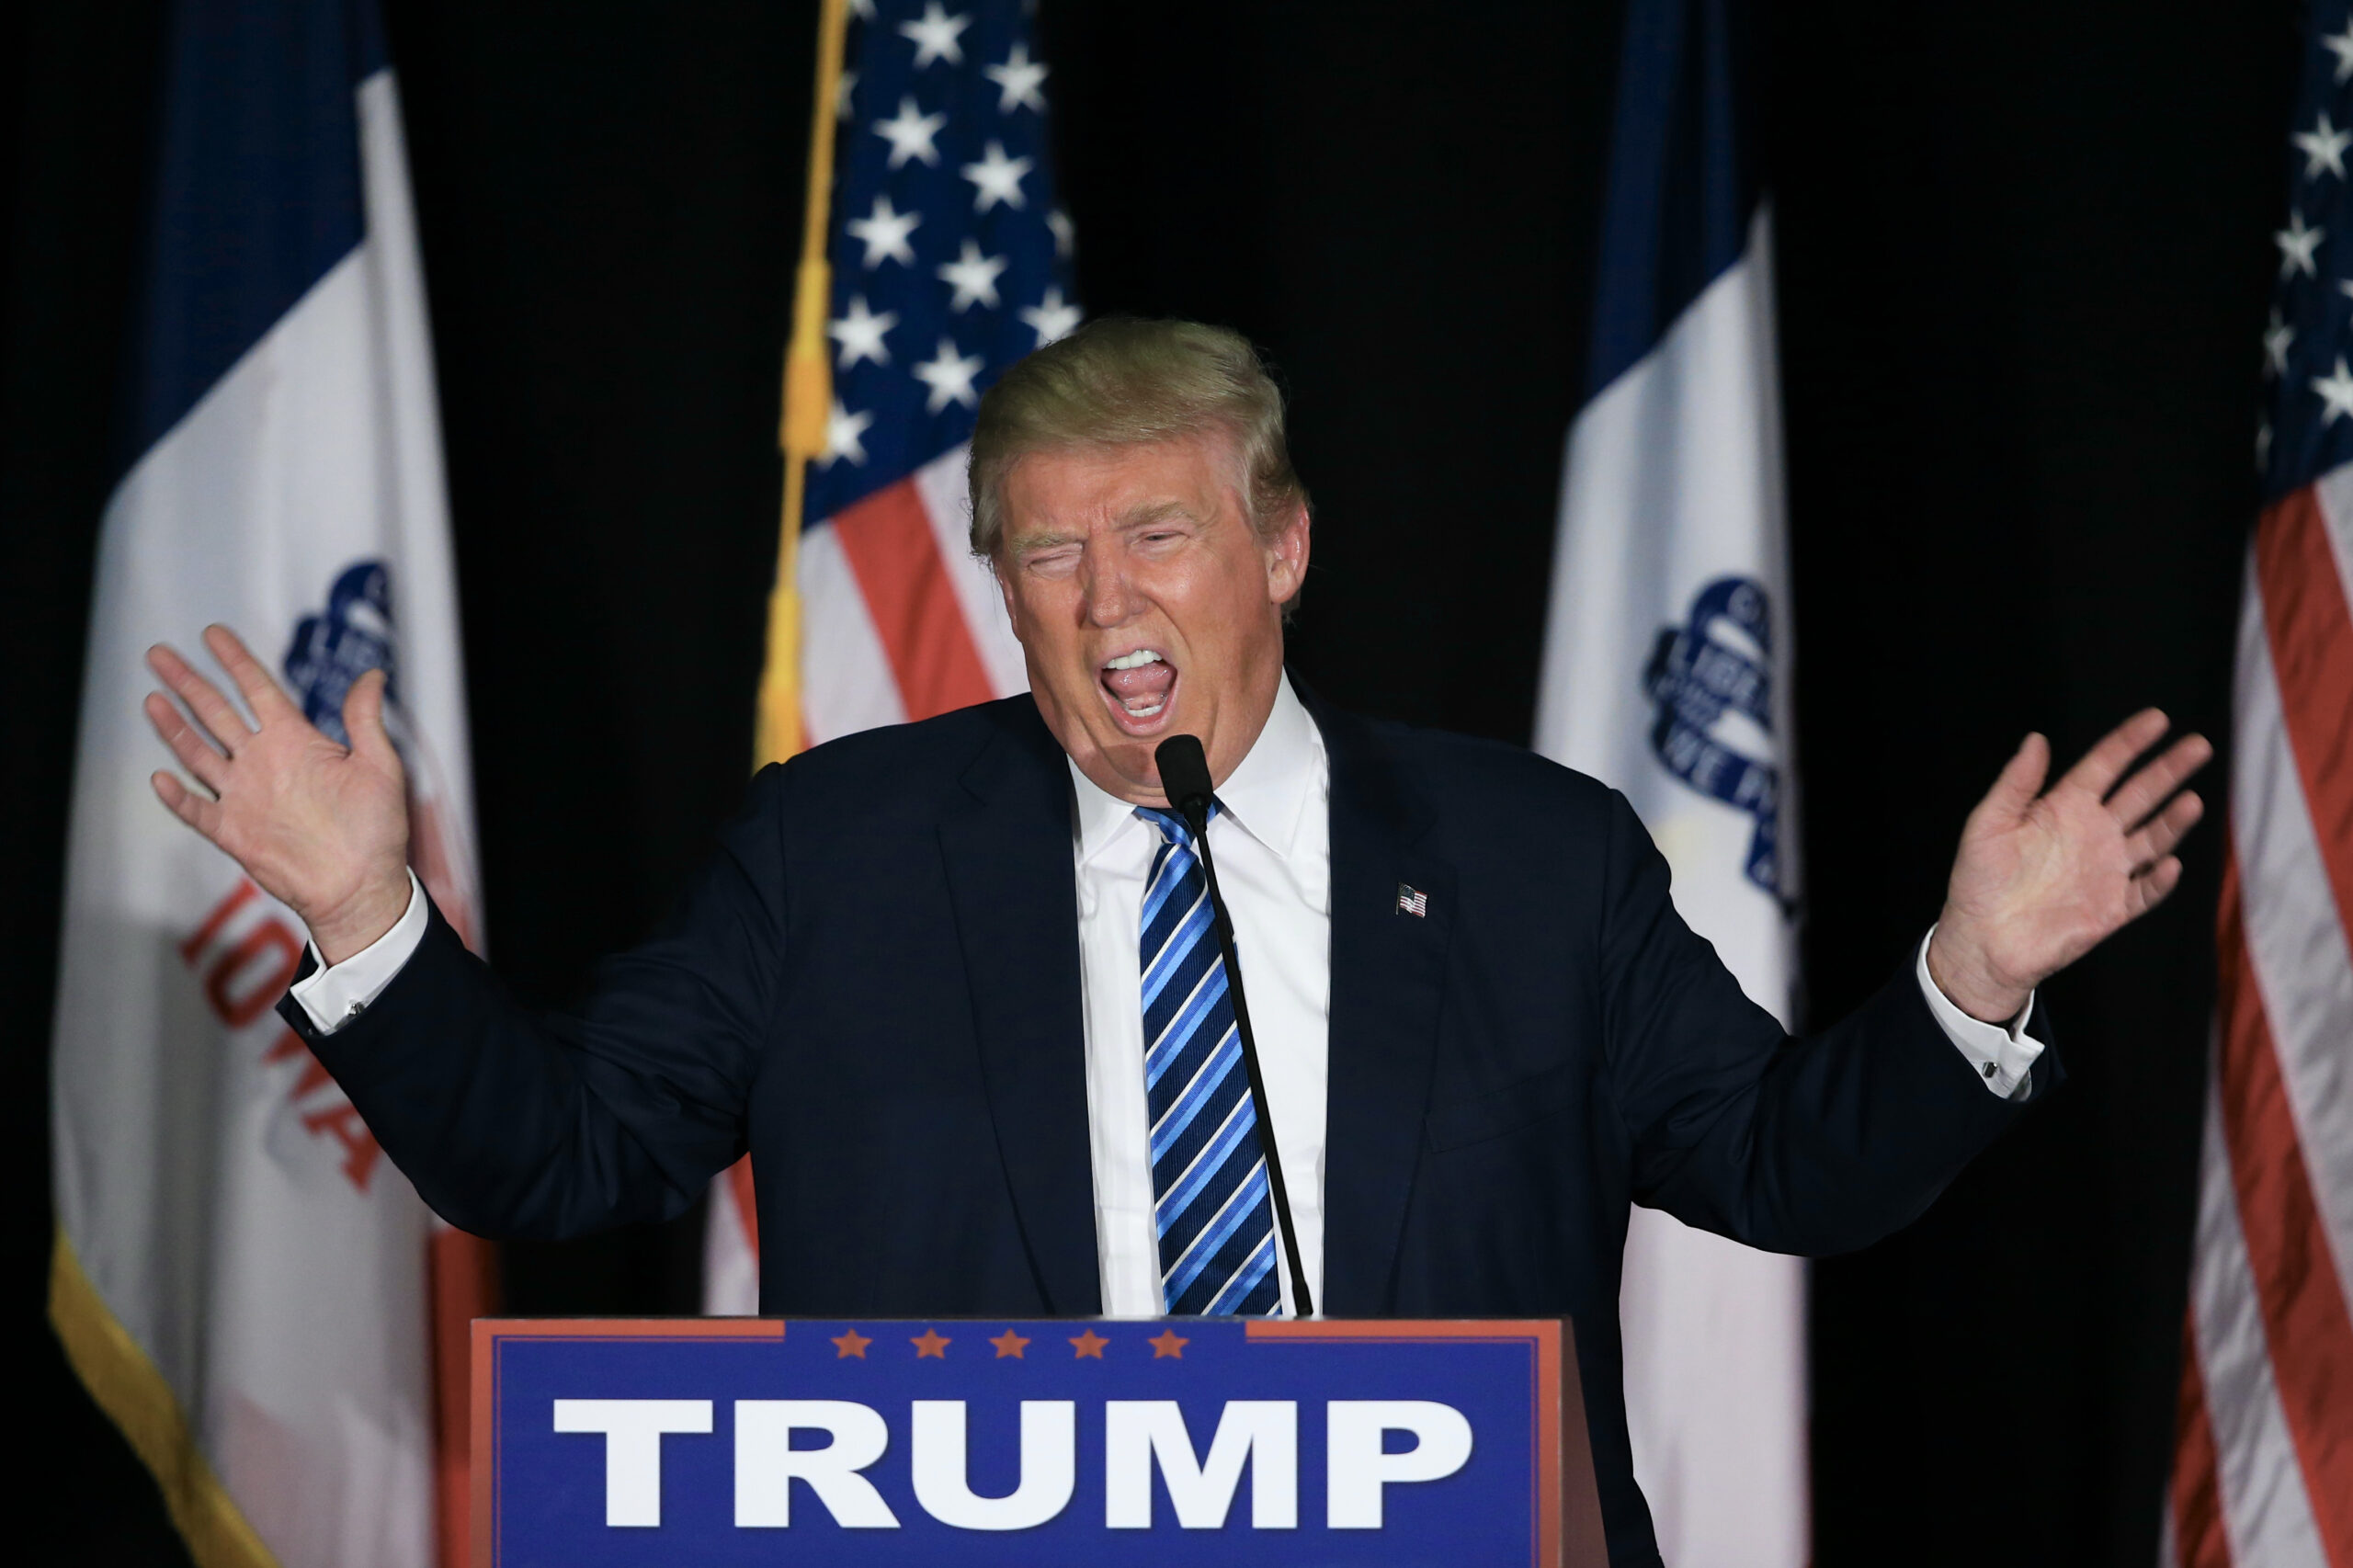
x=1118, y=381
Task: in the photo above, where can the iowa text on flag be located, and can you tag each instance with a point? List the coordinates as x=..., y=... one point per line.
x=241, y=1278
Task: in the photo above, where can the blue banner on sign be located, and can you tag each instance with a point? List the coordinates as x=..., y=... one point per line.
x=1030, y=1444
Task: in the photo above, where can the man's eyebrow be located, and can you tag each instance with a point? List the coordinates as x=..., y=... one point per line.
x=1143, y=515
x=1029, y=544
x=1153, y=512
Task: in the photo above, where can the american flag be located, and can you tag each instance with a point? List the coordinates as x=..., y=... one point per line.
x=950, y=260
x=2263, y=1470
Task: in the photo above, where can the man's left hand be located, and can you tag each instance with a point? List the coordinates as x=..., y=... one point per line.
x=2042, y=878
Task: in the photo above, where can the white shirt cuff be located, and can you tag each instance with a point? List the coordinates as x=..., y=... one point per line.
x=2001, y=1054
x=334, y=996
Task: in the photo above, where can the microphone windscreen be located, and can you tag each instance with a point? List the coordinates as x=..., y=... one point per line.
x=1185, y=775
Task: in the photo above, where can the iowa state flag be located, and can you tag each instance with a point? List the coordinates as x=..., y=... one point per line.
x=242, y=1281
x=1666, y=674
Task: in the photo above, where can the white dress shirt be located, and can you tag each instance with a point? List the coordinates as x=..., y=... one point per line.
x=1272, y=843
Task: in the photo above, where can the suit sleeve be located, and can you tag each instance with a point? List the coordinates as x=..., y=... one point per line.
x=512, y=1122
x=1818, y=1144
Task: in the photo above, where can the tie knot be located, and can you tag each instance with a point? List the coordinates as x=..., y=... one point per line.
x=1173, y=826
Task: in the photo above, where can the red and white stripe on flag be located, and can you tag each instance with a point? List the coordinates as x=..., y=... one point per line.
x=899, y=623
x=2263, y=1470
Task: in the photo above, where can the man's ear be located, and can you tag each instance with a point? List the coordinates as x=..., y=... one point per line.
x=1287, y=558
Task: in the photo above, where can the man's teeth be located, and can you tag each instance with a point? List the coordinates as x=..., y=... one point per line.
x=1138, y=704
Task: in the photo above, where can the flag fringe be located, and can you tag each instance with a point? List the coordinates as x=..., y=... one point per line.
x=128, y=1387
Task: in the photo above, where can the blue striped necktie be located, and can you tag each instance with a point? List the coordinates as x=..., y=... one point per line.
x=1209, y=1174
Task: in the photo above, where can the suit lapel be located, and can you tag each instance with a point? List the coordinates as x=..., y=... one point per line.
x=1388, y=981
x=1007, y=842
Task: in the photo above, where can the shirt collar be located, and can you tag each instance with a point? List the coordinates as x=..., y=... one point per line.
x=1267, y=796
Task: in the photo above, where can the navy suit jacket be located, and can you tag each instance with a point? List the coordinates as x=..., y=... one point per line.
x=874, y=988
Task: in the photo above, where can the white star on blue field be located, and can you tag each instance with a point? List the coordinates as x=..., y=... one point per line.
x=950, y=258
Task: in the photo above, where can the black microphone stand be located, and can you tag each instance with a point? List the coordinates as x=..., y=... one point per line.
x=1185, y=779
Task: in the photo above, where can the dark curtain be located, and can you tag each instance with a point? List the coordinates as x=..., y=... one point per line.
x=2023, y=254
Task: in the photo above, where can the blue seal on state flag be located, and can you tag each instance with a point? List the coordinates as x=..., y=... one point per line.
x=335, y=648
x=1717, y=665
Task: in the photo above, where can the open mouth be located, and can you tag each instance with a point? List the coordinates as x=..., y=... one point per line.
x=1140, y=687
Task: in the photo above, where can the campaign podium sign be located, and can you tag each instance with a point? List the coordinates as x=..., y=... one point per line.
x=610, y=1444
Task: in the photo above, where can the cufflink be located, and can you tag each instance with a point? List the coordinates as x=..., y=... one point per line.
x=1989, y=1066
x=359, y=1007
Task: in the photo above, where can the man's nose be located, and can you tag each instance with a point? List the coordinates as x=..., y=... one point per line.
x=1108, y=599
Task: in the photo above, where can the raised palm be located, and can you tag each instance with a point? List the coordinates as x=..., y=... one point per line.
x=322, y=827
x=2043, y=876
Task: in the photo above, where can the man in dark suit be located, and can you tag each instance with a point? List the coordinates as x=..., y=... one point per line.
x=954, y=987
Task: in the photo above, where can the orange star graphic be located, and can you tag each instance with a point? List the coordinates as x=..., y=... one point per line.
x=1090, y=1343
x=1009, y=1344
x=1170, y=1343
x=849, y=1343
x=931, y=1342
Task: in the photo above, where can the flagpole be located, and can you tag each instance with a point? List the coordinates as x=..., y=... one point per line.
x=808, y=397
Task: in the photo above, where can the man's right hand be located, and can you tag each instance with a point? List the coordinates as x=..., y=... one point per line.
x=323, y=828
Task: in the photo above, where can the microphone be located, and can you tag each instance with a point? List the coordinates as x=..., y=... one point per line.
x=1185, y=779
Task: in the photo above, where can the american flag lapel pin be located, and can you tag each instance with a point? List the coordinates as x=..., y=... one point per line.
x=1412, y=900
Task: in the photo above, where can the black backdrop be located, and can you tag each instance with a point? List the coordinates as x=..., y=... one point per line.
x=2022, y=268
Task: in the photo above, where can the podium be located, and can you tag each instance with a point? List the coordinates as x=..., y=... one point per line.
x=1040, y=1444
